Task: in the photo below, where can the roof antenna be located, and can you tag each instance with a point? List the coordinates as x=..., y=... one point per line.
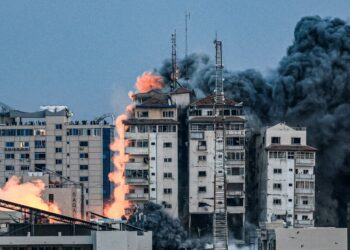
x=187, y=18
x=175, y=70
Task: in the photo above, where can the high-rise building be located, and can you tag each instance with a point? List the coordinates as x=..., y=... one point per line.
x=230, y=122
x=73, y=154
x=286, y=177
x=152, y=134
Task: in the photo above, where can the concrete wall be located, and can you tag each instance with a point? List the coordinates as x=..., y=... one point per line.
x=126, y=240
x=311, y=238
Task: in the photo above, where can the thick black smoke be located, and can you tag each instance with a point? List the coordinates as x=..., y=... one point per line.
x=167, y=231
x=311, y=87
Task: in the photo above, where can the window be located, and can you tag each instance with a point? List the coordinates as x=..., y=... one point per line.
x=277, y=171
x=276, y=140
x=143, y=114
x=305, y=217
x=9, y=168
x=277, y=202
x=202, y=204
x=290, y=184
x=305, y=171
x=168, y=113
x=9, y=156
x=209, y=113
x=84, y=167
x=202, y=145
x=84, y=178
x=58, y=161
x=58, y=150
x=202, y=158
x=277, y=155
x=84, y=155
x=167, y=205
x=145, y=190
x=167, y=160
x=235, y=156
x=59, y=138
x=39, y=144
x=39, y=167
x=153, y=143
x=24, y=144
x=39, y=156
x=9, y=144
x=168, y=175
x=305, y=202
x=202, y=189
x=167, y=145
x=166, y=128
x=59, y=172
x=235, y=171
x=202, y=173
x=51, y=198
x=290, y=200
x=234, y=141
x=296, y=140
x=24, y=167
x=84, y=144
x=153, y=158
x=290, y=155
x=277, y=186
x=167, y=191
x=24, y=156
x=58, y=126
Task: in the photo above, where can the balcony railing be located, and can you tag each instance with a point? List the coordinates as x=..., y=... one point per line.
x=304, y=191
x=235, y=132
x=238, y=147
x=305, y=176
x=135, y=196
x=308, y=162
x=304, y=223
x=136, y=151
x=136, y=181
x=202, y=148
x=235, y=193
x=136, y=166
x=302, y=207
x=16, y=148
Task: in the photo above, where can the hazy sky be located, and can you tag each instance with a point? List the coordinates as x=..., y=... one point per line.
x=87, y=54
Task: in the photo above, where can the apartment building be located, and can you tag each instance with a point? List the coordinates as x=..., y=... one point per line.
x=286, y=178
x=152, y=134
x=48, y=142
x=201, y=121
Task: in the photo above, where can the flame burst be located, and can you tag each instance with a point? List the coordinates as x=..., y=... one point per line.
x=28, y=193
x=146, y=82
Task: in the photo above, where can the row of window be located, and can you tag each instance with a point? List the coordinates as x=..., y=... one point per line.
x=294, y=140
x=225, y=112
x=151, y=128
x=41, y=132
x=27, y=167
x=145, y=114
x=291, y=155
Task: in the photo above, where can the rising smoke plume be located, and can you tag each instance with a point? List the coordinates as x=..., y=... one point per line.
x=310, y=87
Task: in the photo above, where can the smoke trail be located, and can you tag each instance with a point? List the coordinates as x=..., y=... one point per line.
x=310, y=87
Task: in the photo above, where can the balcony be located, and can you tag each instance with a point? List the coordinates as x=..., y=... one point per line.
x=302, y=207
x=239, y=147
x=202, y=148
x=235, y=162
x=235, y=209
x=136, y=181
x=235, y=193
x=135, y=166
x=305, y=177
x=9, y=149
x=305, y=162
x=136, y=197
x=136, y=151
x=235, y=132
x=304, y=223
x=130, y=135
x=304, y=191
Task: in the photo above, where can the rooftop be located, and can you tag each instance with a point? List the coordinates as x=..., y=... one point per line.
x=209, y=101
x=278, y=147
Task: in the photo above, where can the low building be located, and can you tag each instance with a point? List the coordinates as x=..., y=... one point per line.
x=65, y=237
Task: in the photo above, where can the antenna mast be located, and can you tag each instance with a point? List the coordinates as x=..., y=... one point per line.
x=187, y=17
x=220, y=232
x=175, y=70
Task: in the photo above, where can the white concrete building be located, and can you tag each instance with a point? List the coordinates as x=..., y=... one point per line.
x=201, y=120
x=152, y=134
x=72, y=153
x=286, y=176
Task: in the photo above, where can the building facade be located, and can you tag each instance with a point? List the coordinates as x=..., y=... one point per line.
x=72, y=153
x=286, y=178
x=201, y=121
x=152, y=134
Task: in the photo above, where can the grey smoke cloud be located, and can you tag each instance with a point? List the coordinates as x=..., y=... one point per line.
x=310, y=87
